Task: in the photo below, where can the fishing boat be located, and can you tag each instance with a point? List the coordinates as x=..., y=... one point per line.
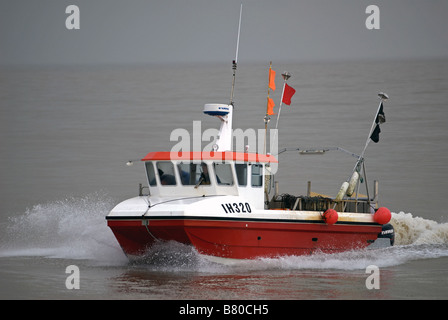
x=219, y=202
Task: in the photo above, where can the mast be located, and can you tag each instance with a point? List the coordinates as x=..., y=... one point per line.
x=383, y=97
x=223, y=141
x=348, y=186
x=286, y=75
x=266, y=117
x=235, y=62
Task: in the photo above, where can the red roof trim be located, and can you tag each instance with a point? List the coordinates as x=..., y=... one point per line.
x=221, y=156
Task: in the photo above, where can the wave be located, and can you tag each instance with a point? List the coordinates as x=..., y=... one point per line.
x=75, y=228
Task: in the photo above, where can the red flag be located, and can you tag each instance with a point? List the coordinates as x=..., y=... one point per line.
x=287, y=94
x=271, y=105
x=271, y=79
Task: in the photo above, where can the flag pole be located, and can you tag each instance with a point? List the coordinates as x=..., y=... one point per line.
x=357, y=168
x=266, y=117
x=286, y=75
x=383, y=97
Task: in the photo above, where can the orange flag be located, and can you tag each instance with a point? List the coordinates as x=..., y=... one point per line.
x=271, y=105
x=272, y=79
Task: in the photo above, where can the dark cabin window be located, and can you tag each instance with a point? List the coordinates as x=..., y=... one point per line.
x=166, y=173
x=223, y=172
x=193, y=173
x=257, y=175
x=241, y=173
x=150, y=173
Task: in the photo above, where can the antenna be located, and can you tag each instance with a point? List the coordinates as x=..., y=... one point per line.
x=239, y=31
x=235, y=62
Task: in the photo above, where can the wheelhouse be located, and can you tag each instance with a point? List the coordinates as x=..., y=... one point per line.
x=192, y=174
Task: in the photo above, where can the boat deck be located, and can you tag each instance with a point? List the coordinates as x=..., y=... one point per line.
x=319, y=202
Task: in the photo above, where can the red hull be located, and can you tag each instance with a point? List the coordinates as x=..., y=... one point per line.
x=238, y=239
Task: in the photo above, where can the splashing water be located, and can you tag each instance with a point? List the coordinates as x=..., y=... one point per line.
x=411, y=230
x=75, y=228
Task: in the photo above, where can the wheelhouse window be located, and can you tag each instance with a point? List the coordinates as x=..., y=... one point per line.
x=166, y=173
x=241, y=173
x=223, y=172
x=151, y=174
x=192, y=174
x=257, y=175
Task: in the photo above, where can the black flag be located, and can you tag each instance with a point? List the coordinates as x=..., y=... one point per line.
x=380, y=118
x=375, y=136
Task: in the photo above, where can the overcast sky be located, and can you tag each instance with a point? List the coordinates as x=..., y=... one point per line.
x=166, y=31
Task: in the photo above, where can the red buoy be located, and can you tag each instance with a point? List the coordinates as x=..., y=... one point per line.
x=382, y=215
x=330, y=216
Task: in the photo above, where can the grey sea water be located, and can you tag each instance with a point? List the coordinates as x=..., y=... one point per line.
x=67, y=132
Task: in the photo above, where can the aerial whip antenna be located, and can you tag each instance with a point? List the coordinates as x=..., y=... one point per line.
x=223, y=140
x=235, y=62
x=239, y=31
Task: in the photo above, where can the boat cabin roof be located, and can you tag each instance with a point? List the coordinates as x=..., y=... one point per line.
x=218, y=156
